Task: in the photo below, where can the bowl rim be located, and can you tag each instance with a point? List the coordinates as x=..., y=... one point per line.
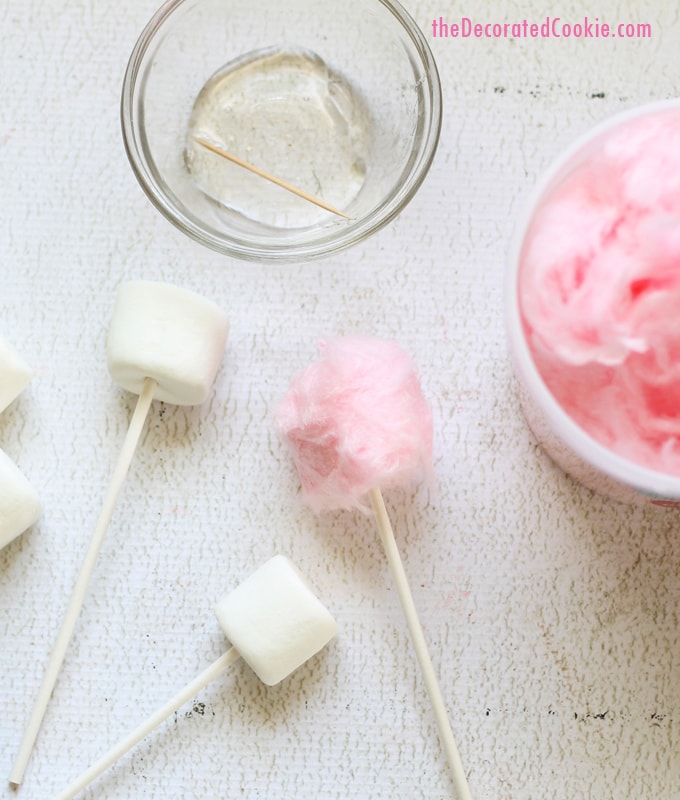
x=645, y=480
x=341, y=237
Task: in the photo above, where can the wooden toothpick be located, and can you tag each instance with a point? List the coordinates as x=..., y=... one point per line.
x=268, y=176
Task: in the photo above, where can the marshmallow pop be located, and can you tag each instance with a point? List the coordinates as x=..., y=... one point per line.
x=356, y=422
x=164, y=343
x=15, y=374
x=20, y=505
x=274, y=622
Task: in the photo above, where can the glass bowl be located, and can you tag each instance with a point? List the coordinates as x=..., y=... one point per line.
x=338, y=101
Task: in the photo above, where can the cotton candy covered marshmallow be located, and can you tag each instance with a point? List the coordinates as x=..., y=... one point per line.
x=15, y=374
x=275, y=621
x=20, y=506
x=355, y=420
x=168, y=334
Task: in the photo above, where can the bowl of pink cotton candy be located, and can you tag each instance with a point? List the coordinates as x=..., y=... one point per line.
x=593, y=307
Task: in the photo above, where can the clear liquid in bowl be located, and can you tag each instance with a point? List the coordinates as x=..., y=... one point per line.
x=286, y=112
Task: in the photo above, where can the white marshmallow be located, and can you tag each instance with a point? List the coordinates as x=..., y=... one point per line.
x=14, y=374
x=275, y=621
x=20, y=505
x=169, y=334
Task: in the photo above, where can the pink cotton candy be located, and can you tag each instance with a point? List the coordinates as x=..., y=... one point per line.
x=356, y=420
x=599, y=291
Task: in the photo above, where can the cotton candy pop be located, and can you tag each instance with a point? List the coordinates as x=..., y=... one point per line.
x=599, y=291
x=356, y=422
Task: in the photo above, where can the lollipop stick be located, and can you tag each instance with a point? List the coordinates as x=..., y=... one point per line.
x=267, y=176
x=416, y=631
x=59, y=650
x=126, y=744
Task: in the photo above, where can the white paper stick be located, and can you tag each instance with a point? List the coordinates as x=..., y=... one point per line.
x=73, y=610
x=190, y=691
x=416, y=631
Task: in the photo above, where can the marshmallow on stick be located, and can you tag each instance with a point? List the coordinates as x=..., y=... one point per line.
x=164, y=343
x=20, y=505
x=356, y=422
x=15, y=374
x=274, y=622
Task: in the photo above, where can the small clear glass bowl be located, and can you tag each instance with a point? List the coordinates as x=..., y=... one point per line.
x=342, y=101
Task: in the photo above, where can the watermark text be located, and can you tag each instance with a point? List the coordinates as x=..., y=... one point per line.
x=549, y=28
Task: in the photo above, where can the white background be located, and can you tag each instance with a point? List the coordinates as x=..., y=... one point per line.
x=551, y=613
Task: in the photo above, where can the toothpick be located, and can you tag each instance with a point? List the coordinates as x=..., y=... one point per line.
x=77, y=597
x=418, y=639
x=268, y=176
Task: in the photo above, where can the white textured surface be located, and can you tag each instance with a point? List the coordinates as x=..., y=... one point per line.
x=551, y=613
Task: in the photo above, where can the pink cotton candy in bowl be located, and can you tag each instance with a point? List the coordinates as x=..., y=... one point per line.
x=593, y=306
x=355, y=420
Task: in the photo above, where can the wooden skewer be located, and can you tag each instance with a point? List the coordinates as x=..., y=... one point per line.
x=126, y=744
x=268, y=176
x=417, y=637
x=58, y=653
